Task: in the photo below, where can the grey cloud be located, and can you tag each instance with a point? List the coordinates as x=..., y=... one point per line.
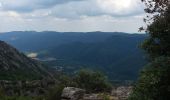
x=71, y=9
x=76, y=10
x=30, y=5
x=90, y=8
x=68, y=15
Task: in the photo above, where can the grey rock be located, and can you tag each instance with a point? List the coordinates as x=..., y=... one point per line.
x=122, y=92
x=92, y=97
x=72, y=93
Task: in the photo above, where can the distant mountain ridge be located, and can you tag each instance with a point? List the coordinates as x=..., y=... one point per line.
x=35, y=41
x=16, y=66
x=115, y=53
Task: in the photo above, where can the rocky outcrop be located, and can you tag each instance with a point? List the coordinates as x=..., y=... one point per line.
x=118, y=93
x=71, y=93
x=121, y=92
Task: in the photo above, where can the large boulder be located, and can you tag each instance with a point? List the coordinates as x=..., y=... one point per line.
x=122, y=92
x=72, y=93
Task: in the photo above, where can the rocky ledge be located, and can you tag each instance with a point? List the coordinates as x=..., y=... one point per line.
x=118, y=93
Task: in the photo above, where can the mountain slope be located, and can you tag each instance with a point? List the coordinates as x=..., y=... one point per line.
x=118, y=56
x=16, y=66
x=114, y=53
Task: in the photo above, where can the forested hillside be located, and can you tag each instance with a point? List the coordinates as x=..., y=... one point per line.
x=116, y=54
x=16, y=66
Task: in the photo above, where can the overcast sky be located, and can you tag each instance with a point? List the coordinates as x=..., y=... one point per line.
x=71, y=15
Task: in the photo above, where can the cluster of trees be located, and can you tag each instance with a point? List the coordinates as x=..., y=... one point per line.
x=91, y=81
x=154, y=83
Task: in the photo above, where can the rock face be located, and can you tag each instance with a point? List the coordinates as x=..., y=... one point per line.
x=119, y=93
x=71, y=93
x=93, y=97
x=122, y=92
x=16, y=66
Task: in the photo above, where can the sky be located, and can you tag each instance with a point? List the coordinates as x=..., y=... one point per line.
x=71, y=15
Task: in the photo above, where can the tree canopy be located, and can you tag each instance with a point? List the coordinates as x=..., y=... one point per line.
x=153, y=83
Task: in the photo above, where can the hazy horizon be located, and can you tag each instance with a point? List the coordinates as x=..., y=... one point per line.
x=75, y=32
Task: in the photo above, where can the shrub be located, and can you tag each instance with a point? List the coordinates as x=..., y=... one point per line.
x=92, y=81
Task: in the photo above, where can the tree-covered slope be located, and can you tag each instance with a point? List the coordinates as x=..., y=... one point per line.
x=116, y=54
x=16, y=66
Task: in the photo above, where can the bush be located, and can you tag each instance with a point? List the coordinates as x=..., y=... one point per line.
x=92, y=81
x=55, y=93
x=85, y=79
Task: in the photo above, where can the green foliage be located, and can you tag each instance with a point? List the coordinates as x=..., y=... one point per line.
x=158, y=44
x=154, y=83
x=20, y=98
x=92, y=81
x=86, y=79
x=55, y=92
x=1, y=93
x=19, y=75
x=105, y=96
